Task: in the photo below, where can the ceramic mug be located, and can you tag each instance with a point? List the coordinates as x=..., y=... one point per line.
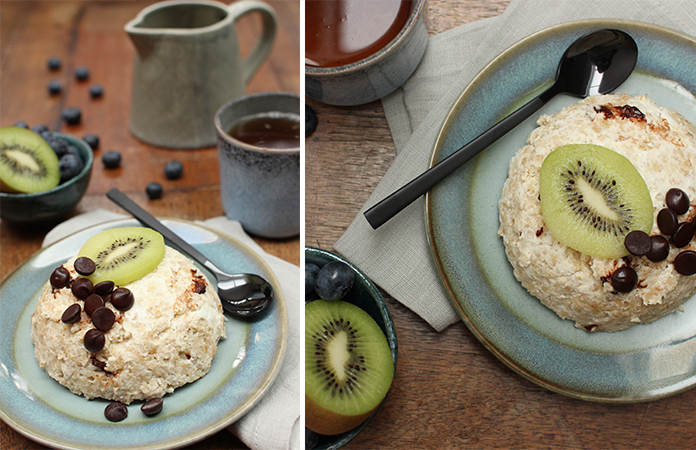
x=260, y=186
x=187, y=63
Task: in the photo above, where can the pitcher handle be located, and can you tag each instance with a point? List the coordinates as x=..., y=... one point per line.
x=264, y=43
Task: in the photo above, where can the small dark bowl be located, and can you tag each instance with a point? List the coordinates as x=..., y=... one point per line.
x=365, y=295
x=50, y=206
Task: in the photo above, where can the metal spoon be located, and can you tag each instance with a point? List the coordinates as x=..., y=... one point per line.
x=596, y=63
x=242, y=295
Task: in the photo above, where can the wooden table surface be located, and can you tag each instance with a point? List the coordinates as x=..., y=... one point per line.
x=90, y=33
x=449, y=392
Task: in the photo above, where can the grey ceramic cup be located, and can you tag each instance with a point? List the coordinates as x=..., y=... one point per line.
x=260, y=187
x=377, y=75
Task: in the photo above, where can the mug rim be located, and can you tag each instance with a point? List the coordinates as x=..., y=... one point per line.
x=374, y=58
x=250, y=147
x=132, y=26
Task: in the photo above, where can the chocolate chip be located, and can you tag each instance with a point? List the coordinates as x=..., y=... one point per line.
x=685, y=262
x=667, y=221
x=637, y=242
x=92, y=303
x=60, y=277
x=115, y=412
x=81, y=288
x=683, y=234
x=122, y=299
x=152, y=407
x=624, y=279
x=84, y=266
x=94, y=340
x=72, y=313
x=677, y=200
x=659, y=249
x=104, y=288
x=103, y=318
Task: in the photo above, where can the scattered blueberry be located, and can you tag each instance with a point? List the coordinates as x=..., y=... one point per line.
x=21, y=124
x=82, y=73
x=311, y=120
x=111, y=159
x=71, y=115
x=311, y=439
x=96, y=91
x=334, y=280
x=69, y=165
x=39, y=128
x=54, y=87
x=154, y=191
x=54, y=63
x=92, y=140
x=173, y=170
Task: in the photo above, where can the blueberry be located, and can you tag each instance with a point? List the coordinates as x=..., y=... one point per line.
x=311, y=120
x=39, y=128
x=21, y=124
x=82, y=73
x=154, y=191
x=54, y=87
x=46, y=135
x=54, y=63
x=173, y=170
x=71, y=115
x=334, y=280
x=96, y=91
x=69, y=165
x=311, y=439
x=59, y=145
x=111, y=159
x=310, y=277
x=92, y=140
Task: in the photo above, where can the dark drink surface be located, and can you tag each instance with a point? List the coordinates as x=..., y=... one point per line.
x=268, y=131
x=340, y=32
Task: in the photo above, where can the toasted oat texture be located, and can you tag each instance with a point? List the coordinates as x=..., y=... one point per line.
x=661, y=145
x=167, y=339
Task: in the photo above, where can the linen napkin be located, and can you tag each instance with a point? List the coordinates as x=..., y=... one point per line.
x=397, y=255
x=274, y=422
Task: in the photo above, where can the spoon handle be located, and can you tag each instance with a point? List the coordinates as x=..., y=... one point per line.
x=380, y=213
x=148, y=220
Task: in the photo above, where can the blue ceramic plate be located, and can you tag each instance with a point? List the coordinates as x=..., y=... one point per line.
x=245, y=365
x=642, y=363
x=365, y=295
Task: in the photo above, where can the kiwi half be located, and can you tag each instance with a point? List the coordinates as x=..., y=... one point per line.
x=27, y=163
x=348, y=366
x=592, y=197
x=123, y=255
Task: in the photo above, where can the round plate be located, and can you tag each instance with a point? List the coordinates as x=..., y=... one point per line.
x=244, y=367
x=642, y=363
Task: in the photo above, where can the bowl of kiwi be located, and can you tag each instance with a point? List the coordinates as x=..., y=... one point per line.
x=350, y=350
x=42, y=177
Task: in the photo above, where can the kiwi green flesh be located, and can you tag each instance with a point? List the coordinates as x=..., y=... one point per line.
x=348, y=362
x=27, y=163
x=591, y=197
x=123, y=255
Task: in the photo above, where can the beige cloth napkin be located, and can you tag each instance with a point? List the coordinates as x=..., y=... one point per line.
x=397, y=255
x=273, y=423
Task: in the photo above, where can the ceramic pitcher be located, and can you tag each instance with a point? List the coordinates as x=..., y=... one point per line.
x=187, y=64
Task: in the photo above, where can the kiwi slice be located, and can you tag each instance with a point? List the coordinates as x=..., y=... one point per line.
x=348, y=366
x=123, y=255
x=592, y=197
x=27, y=163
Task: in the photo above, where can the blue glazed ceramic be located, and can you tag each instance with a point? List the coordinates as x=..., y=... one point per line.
x=55, y=204
x=645, y=362
x=377, y=75
x=260, y=187
x=243, y=369
x=365, y=295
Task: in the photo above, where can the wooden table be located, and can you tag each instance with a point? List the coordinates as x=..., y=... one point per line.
x=91, y=34
x=449, y=391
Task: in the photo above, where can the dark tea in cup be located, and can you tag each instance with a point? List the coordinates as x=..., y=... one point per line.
x=268, y=131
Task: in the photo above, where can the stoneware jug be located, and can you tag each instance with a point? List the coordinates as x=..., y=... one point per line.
x=187, y=64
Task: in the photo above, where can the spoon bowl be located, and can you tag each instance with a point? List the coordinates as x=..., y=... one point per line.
x=596, y=63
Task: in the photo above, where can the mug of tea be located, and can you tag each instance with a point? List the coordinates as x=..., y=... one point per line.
x=259, y=153
x=359, y=51
x=187, y=63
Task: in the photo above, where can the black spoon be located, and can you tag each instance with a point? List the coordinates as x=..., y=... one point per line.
x=596, y=63
x=242, y=295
